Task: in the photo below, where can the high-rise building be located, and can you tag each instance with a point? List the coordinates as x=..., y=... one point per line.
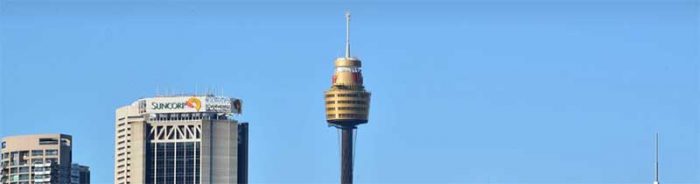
x=180, y=139
x=347, y=103
x=36, y=159
x=79, y=174
x=243, y=153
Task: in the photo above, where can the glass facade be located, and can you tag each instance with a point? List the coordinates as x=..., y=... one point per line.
x=175, y=162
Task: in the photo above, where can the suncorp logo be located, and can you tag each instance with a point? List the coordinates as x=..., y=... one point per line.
x=192, y=102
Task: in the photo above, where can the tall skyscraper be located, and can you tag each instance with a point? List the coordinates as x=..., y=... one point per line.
x=347, y=103
x=79, y=174
x=179, y=139
x=243, y=153
x=41, y=158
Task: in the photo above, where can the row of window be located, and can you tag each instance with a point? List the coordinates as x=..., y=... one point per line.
x=348, y=69
x=49, y=152
x=353, y=108
x=48, y=141
x=347, y=95
x=347, y=108
x=36, y=169
x=361, y=116
x=19, y=155
x=188, y=116
x=346, y=102
x=352, y=116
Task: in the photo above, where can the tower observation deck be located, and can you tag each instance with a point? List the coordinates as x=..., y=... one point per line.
x=347, y=103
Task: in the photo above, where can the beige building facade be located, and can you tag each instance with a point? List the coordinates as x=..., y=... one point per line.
x=36, y=159
x=178, y=139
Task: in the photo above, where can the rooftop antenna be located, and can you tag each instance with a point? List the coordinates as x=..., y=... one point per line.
x=347, y=33
x=656, y=170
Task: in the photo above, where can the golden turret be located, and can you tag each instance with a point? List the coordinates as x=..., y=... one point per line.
x=347, y=102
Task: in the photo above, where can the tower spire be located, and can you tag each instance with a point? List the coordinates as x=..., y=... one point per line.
x=347, y=33
x=656, y=170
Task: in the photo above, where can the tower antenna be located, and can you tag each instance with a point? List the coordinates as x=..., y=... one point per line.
x=347, y=33
x=656, y=170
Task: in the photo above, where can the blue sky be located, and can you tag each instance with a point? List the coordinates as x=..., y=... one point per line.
x=462, y=92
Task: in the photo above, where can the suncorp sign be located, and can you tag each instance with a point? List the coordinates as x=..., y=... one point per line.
x=192, y=104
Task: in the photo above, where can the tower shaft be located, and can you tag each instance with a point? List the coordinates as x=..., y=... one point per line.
x=346, y=162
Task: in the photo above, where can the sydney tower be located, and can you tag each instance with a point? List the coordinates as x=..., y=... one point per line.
x=347, y=103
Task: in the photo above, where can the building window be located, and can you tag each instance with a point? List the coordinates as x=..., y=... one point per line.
x=24, y=177
x=352, y=108
x=51, y=152
x=14, y=158
x=65, y=141
x=37, y=152
x=175, y=162
x=52, y=160
x=48, y=141
x=37, y=161
x=24, y=169
x=4, y=144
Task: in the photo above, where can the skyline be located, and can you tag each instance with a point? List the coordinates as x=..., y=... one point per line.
x=462, y=92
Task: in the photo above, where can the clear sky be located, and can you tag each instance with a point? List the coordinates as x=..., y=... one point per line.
x=462, y=92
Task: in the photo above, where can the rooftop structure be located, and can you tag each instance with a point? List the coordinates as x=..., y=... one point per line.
x=179, y=139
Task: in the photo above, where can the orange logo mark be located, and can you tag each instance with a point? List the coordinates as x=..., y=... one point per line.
x=194, y=102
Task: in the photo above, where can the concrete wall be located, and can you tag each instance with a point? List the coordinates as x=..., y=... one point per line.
x=219, y=151
x=139, y=130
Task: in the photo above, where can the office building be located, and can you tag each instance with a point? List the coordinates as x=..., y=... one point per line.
x=243, y=153
x=79, y=174
x=180, y=139
x=36, y=159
